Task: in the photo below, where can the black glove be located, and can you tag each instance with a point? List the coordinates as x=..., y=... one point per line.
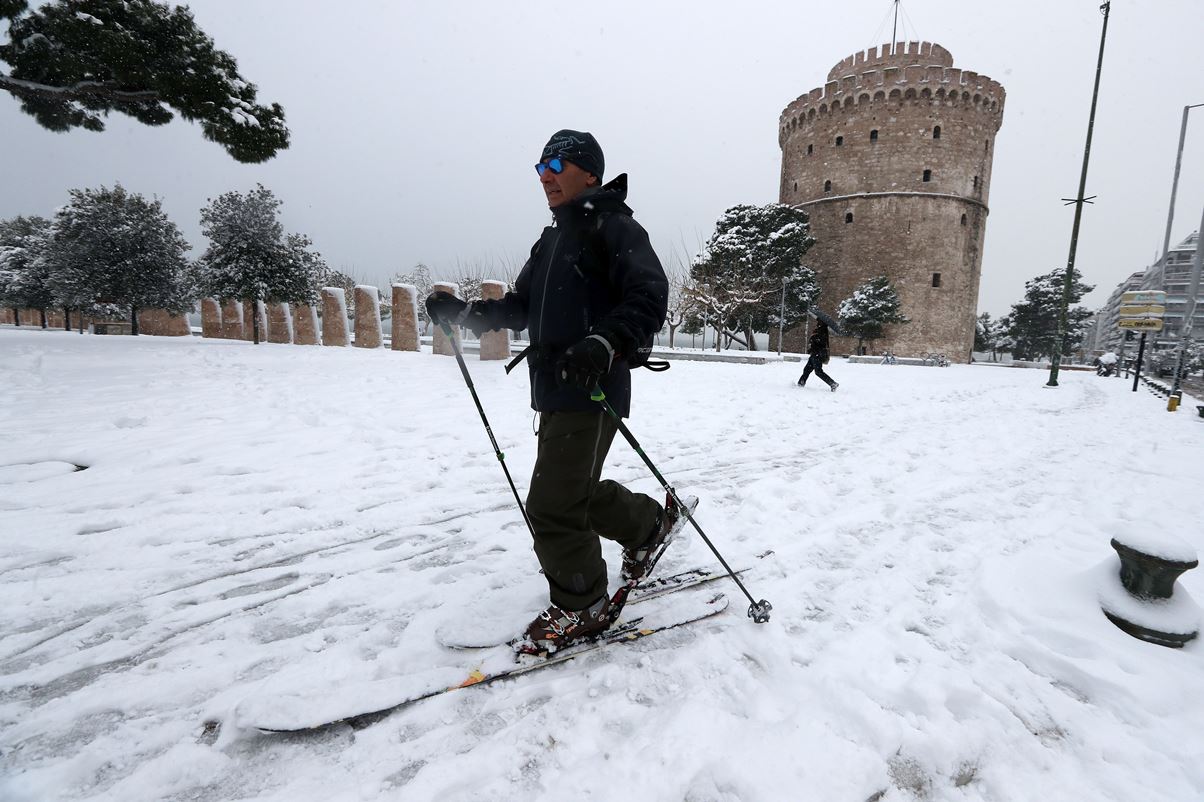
x=443, y=307
x=583, y=365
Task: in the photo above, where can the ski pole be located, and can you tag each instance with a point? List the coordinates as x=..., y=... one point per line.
x=501, y=458
x=758, y=611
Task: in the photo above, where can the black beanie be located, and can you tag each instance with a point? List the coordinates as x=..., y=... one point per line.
x=578, y=147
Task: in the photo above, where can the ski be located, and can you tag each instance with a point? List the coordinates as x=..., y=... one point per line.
x=302, y=713
x=682, y=580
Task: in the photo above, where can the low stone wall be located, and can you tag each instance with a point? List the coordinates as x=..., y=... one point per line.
x=302, y=324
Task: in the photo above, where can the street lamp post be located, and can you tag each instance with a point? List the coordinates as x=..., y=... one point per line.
x=1170, y=214
x=1185, y=333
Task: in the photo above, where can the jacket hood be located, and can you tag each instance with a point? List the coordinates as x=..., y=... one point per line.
x=610, y=197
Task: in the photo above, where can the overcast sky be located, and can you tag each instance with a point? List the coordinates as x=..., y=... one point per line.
x=415, y=125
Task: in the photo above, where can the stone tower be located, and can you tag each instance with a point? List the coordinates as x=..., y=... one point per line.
x=891, y=160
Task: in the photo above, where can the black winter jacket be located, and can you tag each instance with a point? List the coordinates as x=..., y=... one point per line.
x=818, y=344
x=592, y=272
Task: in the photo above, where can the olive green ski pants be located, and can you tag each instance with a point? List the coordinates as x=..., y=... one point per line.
x=569, y=506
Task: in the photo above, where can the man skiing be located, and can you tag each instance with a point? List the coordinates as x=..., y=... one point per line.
x=591, y=292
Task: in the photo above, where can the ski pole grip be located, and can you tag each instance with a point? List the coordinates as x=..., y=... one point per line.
x=759, y=612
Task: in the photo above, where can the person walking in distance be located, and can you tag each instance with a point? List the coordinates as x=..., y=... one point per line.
x=591, y=292
x=817, y=349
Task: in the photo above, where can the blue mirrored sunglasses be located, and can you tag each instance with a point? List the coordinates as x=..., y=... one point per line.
x=555, y=165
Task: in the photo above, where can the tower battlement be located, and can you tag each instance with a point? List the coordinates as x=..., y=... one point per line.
x=906, y=54
x=919, y=71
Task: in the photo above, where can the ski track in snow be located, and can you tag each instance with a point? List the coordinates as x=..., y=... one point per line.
x=284, y=519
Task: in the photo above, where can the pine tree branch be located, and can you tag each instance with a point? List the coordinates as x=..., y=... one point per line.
x=104, y=90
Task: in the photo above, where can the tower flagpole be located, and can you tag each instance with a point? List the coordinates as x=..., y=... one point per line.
x=894, y=29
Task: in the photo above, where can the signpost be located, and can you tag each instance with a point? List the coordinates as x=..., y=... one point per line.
x=1142, y=311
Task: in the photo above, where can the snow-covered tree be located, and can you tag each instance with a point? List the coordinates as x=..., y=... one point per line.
x=23, y=283
x=870, y=308
x=73, y=62
x=752, y=252
x=988, y=334
x=679, y=302
x=1033, y=323
x=110, y=246
x=250, y=259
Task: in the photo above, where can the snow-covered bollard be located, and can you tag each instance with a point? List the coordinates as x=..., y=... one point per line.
x=440, y=344
x=232, y=320
x=1140, y=598
x=367, y=317
x=494, y=344
x=305, y=325
x=334, y=316
x=404, y=319
x=211, y=318
x=280, y=323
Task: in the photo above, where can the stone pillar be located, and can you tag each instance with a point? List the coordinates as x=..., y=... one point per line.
x=334, y=316
x=161, y=323
x=494, y=344
x=232, y=320
x=248, y=330
x=280, y=323
x=367, y=317
x=31, y=317
x=211, y=318
x=305, y=325
x=405, y=317
x=441, y=344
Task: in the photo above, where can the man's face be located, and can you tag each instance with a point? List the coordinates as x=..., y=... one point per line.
x=562, y=187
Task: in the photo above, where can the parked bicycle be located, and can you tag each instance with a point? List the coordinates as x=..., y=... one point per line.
x=935, y=359
x=888, y=359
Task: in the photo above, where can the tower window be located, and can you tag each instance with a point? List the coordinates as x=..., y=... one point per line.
x=976, y=182
x=936, y=279
x=936, y=132
x=963, y=219
x=874, y=135
x=848, y=217
x=827, y=186
x=796, y=186
x=810, y=149
x=839, y=141
x=927, y=175
x=986, y=144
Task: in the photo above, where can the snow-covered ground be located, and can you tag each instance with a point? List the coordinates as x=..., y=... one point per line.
x=275, y=519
